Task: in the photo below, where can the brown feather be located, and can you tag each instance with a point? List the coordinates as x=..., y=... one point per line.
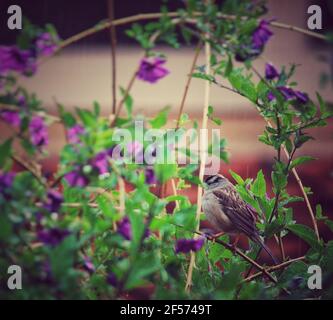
x=237, y=211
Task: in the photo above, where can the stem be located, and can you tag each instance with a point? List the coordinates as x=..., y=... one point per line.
x=308, y=204
x=188, y=82
x=274, y=268
x=281, y=25
x=299, y=181
x=235, y=250
x=113, y=37
x=202, y=161
x=149, y=16
x=120, y=105
x=28, y=167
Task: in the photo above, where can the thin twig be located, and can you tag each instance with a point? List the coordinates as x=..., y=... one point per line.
x=120, y=104
x=202, y=153
x=149, y=16
x=306, y=198
x=28, y=167
x=113, y=37
x=174, y=191
x=188, y=82
x=274, y=268
x=297, y=29
x=241, y=254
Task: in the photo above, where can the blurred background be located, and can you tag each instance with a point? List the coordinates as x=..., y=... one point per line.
x=81, y=74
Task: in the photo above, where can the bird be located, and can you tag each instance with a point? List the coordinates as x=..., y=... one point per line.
x=227, y=212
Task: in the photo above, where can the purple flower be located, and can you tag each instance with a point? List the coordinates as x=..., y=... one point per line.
x=301, y=97
x=45, y=44
x=112, y=279
x=124, y=228
x=22, y=101
x=74, y=133
x=6, y=181
x=38, y=132
x=52, y=237
x=88, y=265
x=11, y=117
x=152, y=71
x=288, y=93
x=76, y=178
x=101, y=162
x=14, y=59
x=187, y=245
x=150, y=176
x=261, y=35
x=54, y=201
x=271, y=72
x=270, y=96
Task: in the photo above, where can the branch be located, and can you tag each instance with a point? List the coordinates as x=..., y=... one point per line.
x=202, y=160
x=274, y=268
x=28, y=167
x=150, y=16
x=113, y=37
x=285, y=26
x=120, y=105
x=235, y=250
x=182, y=104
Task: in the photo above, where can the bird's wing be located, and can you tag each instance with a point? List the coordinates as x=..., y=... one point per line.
x=237, y=210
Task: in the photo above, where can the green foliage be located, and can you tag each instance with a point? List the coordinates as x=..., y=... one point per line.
x=121, y=229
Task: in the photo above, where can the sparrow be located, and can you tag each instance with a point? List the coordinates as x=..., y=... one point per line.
x=227, y=212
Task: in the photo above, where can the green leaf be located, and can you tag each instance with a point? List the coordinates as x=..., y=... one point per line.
x=298, y=161
x=259, y=185
x=87, y=117
x=143, y=266
x=161, y=119
x=305, y=233
x=237, y=177
x=211, y=117
x=128, y=100
x=279, y=181
x=137, y=228
x=243, y=85
x=322, y=104
x=5, y=151
x=165, y=172
x=97, y=109
x=229, y=67
x=203, y=76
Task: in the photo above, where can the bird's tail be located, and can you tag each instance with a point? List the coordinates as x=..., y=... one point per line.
x=262, y=244
x=269, y=252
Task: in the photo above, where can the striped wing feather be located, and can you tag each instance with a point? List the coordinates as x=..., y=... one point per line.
x=242, y=217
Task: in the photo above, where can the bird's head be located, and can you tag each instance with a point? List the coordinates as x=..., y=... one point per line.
x=217, y=180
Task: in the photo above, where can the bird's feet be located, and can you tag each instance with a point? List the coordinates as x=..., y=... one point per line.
x=234, y=244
